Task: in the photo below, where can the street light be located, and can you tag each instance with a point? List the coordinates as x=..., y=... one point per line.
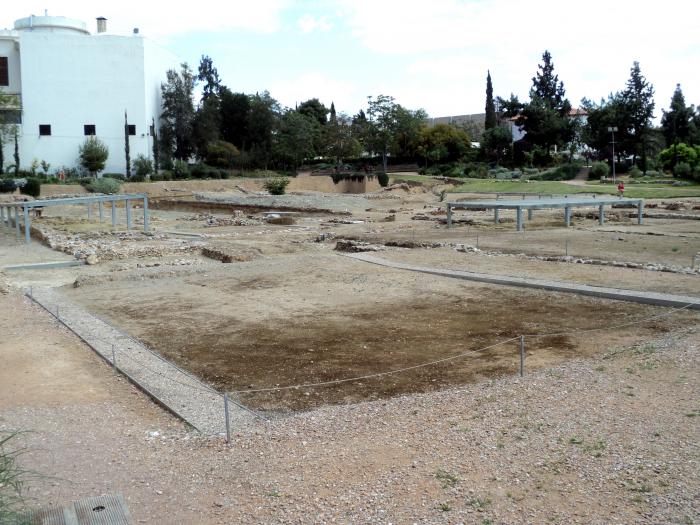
x=613, y=129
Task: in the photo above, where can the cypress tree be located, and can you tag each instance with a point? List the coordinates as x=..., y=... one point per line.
x=491, y=118
x=126, y=146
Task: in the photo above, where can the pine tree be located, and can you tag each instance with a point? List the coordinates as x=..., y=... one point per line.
x=333, y=117
x=491, y=119
x=547, y=87
x=676, y=122
x=639, y=101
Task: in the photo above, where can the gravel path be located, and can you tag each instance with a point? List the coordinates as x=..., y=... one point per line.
x=189, y=398
x=638, y=296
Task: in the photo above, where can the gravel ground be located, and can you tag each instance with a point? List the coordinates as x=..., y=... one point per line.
x=606, y=440
x=311, y=201
x=198, y=404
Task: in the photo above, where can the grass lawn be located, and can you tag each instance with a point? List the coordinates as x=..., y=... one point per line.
x=643, y=191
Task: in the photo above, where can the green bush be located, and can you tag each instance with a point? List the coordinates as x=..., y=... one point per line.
x=117, y=176
x=93, y=154
x=221, y=154
x=108, y=186
x=277, y=185
x=142, y=166
x=599, y=170
x=180, y=170
x=32, y=187
x=682, y=170
x=383, y=179
x=7, y=185
x=636, y=173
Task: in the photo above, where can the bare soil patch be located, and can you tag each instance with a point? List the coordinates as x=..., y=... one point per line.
x=254, y=328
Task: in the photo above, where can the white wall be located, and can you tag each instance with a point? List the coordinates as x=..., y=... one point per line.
x=69, y=80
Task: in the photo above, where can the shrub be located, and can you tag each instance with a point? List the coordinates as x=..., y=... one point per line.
x=277, y=185
x=180, y=170
x=93, y=154
x=103, y=185
x=7, y=185
x=383, y=179
x=221, y=154
x=635, y=172
x=117, y=176
x=142, y=166
x=32, y=187
x=599, y=170
x=682, y=170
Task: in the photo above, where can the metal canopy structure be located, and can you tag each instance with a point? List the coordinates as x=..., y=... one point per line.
x=7, y=209
x=530, y=205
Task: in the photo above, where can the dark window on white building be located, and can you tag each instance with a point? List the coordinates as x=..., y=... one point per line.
x=44, y=129
x=132, y=129
x=4, y=72
x=89, y=129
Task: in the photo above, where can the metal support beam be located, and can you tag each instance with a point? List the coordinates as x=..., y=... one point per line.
x=449, y=216
x=530, y=213
x=27, y=226
x=601, y=214
x=640, y=212
x=519, y=218
x=89, y=209
x=495, y=215
x=101, y=210
x=567, y=216
x=2, y=214
x=17, y=221
x=128, y=214
x=145, y=214
x=114, y=214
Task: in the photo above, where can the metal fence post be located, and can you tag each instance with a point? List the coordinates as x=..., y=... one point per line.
x=522, y=355
x=228, y=427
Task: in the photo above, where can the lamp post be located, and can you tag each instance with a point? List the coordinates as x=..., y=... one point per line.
x=613, y=129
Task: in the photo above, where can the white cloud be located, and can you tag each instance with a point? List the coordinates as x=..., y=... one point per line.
x=593, y=45
x=309, y=23
x=157, y=18
x=314, y=84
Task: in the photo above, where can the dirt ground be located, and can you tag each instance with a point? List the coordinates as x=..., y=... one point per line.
x=252, y=326
x=611, y=439
x=603, y=429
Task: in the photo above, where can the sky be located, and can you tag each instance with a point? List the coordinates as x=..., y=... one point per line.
x=426, y=54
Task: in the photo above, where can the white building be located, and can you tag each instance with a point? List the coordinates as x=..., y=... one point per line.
x=69, y=84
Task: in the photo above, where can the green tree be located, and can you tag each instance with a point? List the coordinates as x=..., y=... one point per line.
x=496, y=143
x=313, y=108
x=262, y=122
x=443, y=142
x=677, y=121
x=156, y=146
x=491, y=118
x=296, y=138
x=546, y=118
x=209, y=76
x=177, y=119
x=407, y=127
x=338, y=140
x=207, y=119
x=382, y=125
x=93, y=155
x=235, y=115
x=143, y=166
x=127, y=149
x=638, y=98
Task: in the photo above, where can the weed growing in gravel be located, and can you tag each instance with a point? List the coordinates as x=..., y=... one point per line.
x=447, y=479
x=693, y=413
x=575, y=441
x=480, y=504
x=647, y=365
x=445, y=507
x=11, y=479
x=642, y=488
x=595, y=449
x=647, y=349
x=600, y=368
